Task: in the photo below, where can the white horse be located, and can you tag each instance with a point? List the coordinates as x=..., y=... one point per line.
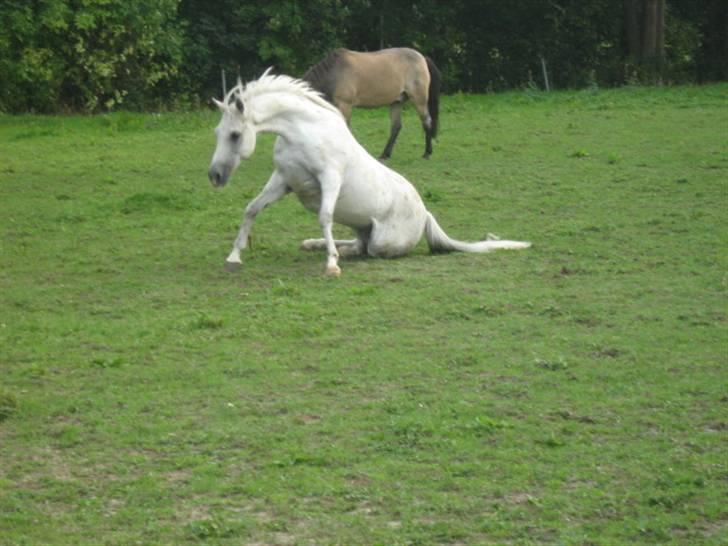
x=317, y=158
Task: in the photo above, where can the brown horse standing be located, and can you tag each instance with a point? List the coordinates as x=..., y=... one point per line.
x=387, y=77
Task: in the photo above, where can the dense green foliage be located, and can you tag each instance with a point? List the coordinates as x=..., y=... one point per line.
x=95, y=55
x=569, y=394
x=86, y=55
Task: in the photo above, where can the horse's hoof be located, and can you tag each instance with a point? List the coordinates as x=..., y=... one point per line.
x=232, y=267
x=333, y=271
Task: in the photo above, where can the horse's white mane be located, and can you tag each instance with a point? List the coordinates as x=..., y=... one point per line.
x=269, y=83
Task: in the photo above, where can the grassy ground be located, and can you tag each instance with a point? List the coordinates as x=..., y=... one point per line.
x=572, y=393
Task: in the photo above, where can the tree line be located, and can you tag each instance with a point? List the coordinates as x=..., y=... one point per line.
x=99, y=55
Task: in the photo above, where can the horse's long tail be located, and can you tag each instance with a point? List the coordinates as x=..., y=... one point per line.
x=438, y=241
x=433, y=95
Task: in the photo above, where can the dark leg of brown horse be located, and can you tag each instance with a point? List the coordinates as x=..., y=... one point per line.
x=428, y=140
x=395, y=115
x=421, y=105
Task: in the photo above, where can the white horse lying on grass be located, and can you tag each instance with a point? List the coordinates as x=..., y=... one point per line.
x=317, y=158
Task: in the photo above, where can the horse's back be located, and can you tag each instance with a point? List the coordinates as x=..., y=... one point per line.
x=380, y=77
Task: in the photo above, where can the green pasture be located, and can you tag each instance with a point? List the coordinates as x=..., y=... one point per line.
x=573, y=393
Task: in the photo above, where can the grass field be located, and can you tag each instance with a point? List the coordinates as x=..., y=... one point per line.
x=573, y=393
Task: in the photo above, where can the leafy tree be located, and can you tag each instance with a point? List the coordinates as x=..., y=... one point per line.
x=95, y=55
x=86, y=54
x=244, y=38
x=697, y=38
x=31, y=70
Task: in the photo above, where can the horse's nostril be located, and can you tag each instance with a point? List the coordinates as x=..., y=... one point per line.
x=214, y=176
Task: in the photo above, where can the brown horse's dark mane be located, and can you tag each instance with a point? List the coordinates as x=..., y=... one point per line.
x=318, y=76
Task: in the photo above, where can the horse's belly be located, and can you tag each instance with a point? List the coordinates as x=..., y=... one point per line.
x=358, y=205
x=351, y=216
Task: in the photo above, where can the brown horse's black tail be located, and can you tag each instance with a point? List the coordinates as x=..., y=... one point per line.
x=433, y=95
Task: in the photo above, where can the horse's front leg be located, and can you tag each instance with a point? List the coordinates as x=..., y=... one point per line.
x=330, y=187
x=274, y=189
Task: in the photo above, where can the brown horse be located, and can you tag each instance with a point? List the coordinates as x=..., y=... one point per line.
x=387, y=77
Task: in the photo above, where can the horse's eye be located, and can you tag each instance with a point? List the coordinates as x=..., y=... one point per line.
x=235, y=136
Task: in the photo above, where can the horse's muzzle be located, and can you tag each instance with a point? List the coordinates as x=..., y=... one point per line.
x=218, y=177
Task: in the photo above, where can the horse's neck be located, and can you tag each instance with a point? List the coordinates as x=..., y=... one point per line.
x=280, y=113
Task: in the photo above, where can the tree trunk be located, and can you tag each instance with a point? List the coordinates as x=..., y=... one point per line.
x=660, y=30
x=649, y=33
x=632, y=29
x=653, y=40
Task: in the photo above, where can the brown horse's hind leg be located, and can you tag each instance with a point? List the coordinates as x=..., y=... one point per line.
x=428, y=141
x=395, y=115
x=426, y=120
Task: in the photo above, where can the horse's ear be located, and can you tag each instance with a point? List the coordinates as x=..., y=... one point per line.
x=239, y=105
x=267, y=71
x=220, y=105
